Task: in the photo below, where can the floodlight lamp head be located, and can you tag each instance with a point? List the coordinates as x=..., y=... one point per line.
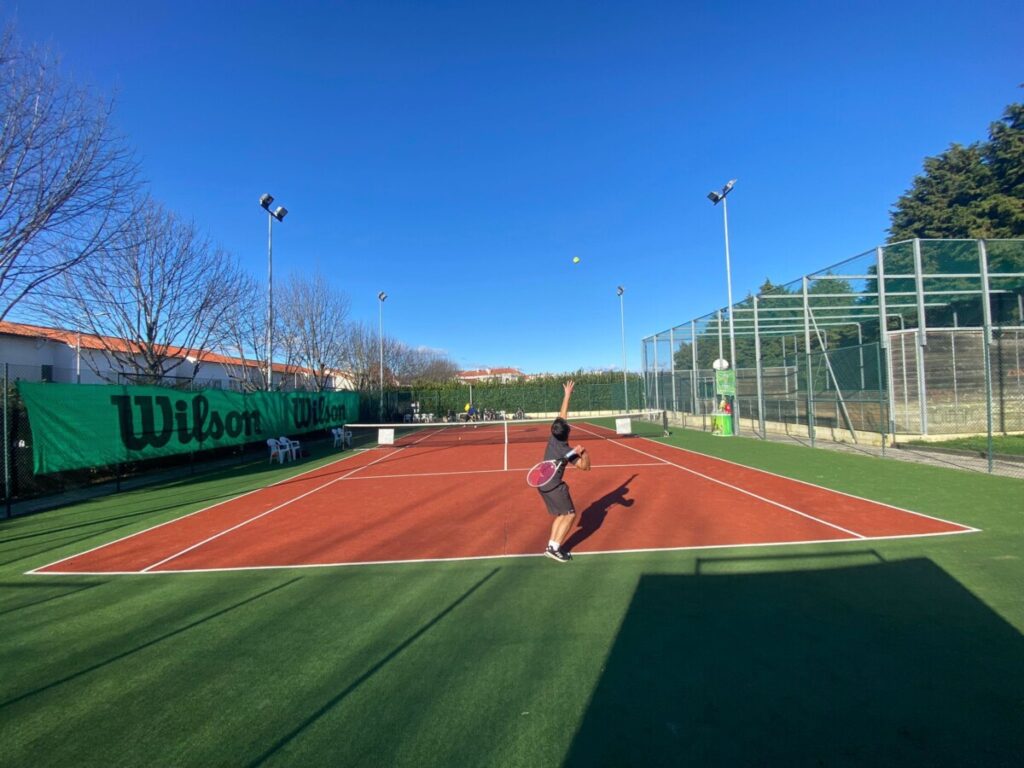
x=266, y=200
x=619, y=291
x=716, y=197
x=280, y=213
x=382, y=295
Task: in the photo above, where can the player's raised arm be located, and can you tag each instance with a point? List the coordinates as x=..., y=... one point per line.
x=567, y=388
x=583, y=462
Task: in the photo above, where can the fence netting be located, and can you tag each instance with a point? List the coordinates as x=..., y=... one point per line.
x=914, y=345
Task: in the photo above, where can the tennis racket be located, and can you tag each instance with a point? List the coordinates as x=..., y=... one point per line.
x=544, y=472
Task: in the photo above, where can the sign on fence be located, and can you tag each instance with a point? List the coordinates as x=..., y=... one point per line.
x=725, y=382
x=81, y=425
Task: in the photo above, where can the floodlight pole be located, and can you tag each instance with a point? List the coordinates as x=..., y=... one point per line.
x=728, y=282
x=270, y=300
x=380, y=335
x=715, y=197
x=279, y=214
x=622, y=319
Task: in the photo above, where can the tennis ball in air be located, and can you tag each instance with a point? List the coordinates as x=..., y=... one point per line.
x=575, y=259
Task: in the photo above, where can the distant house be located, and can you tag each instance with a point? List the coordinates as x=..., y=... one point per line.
x=492, y=374
x=38, y=353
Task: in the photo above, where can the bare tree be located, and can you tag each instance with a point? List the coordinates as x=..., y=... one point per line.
x=66, y=180
x=156, y=296
x=361, y=355
x=312, y=326
x=245, y=329
x=403, y=364
x=432, y=366
x=417, y=365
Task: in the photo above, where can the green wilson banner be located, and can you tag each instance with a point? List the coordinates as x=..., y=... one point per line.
x=83, y=425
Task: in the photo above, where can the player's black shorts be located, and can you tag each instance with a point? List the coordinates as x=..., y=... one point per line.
x=558, y=500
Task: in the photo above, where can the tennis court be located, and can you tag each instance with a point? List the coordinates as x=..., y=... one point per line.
x=458, y=492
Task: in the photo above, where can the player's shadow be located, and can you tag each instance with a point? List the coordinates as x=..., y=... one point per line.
x=593, y=516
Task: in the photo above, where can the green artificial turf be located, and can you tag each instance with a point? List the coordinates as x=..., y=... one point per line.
x=1006, y=445
x=896, y=652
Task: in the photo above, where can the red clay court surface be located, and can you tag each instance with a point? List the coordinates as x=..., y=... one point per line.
x=438, y=501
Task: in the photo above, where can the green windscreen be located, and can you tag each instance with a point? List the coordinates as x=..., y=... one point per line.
x=82, y=425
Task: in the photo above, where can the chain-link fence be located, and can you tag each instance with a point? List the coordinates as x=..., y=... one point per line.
x=915, y=345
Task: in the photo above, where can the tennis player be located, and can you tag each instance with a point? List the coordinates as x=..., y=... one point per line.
x=556, y=492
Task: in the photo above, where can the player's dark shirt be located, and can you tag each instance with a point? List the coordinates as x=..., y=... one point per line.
x=556, y=449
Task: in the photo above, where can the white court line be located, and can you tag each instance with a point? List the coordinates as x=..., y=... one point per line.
x=350, y=563
x=968, y=528
x=288, y=479
x=263, y=514
x=659, y=462
x=734, y=487
x=491, y=471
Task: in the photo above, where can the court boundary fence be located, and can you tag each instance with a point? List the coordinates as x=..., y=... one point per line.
x=920, y=342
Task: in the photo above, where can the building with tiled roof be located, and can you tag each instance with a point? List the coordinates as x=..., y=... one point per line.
x=39, y=353
x=492, y=374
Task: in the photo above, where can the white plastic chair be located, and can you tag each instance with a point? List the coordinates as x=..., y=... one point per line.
x=275, y=450
x=293, y=447
x=342, y=437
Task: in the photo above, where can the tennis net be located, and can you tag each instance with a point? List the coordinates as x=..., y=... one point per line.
x=498, y=432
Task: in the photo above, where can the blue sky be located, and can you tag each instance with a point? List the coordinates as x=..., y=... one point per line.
x=459, y=154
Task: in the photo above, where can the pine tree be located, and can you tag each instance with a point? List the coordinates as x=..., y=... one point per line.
x=974, y=191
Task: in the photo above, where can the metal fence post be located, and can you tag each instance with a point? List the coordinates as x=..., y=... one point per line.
x=672, y=352
x=922, y=337
x=693, y=350
x=643, y=363
x=883, y=337
x=952, y=345
x=721, y=353
x=986, y=314
x=807, y=352
x=860, y=347
x=759, y=372
x=657, y=375
x=883, y=419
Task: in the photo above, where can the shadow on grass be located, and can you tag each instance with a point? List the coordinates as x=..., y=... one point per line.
x=65, y=589
x=874, y=664
x=314, y=716
x=149, y=644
